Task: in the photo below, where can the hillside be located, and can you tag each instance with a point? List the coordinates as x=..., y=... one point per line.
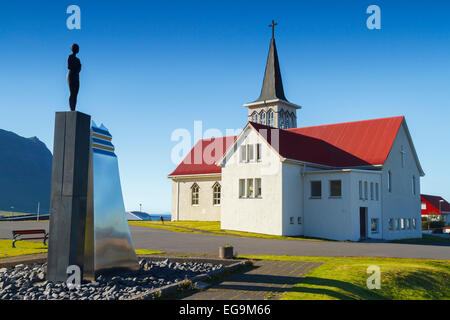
x=25, y=173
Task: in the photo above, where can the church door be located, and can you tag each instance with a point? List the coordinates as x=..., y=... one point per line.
x=363, y=222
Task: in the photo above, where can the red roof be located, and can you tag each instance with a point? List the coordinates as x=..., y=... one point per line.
x=433, y=204
x=360, y=142
x=203, y=156
x=348, y=144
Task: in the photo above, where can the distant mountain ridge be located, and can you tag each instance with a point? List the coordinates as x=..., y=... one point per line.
x=25, y=173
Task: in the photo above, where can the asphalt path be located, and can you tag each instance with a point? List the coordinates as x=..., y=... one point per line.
x=192, y=243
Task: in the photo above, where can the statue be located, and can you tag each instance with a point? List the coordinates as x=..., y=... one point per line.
x=74, y=66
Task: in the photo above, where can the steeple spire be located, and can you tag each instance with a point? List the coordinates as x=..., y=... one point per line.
x=272, y=84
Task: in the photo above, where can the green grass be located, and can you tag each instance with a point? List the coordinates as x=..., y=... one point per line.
x=33, y=247
x=209, y=227
x=146, y=252
x=345, y=279
x=22, y=248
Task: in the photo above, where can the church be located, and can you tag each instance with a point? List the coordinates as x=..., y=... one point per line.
x=346, y=181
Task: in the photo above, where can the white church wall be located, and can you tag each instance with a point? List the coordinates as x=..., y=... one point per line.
x=366, y=198
x=292, y=199
x=328, y=217
x=401, y=203
x=259, y=215
x=182, y=208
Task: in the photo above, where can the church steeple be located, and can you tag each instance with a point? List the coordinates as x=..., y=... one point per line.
x=272, y=108
x=273, y=84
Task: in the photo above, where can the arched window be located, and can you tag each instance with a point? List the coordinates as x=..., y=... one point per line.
x=254, y=117
x=195, y=190
x=293, y=121
x=216, y=194
x=262, y=117
x=281, y=120
x=270, y=118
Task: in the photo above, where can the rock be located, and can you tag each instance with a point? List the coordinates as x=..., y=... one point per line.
x=19, y=266
x=3, y=270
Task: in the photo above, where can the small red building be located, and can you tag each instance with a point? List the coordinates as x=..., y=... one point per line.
x=434, y=205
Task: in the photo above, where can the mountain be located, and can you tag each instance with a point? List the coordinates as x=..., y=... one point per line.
x=25, y=173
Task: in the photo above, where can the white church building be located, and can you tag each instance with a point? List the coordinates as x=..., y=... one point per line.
x=346, y=181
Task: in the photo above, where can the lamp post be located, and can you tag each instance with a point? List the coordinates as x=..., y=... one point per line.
x=39, y=204
x=140, y=207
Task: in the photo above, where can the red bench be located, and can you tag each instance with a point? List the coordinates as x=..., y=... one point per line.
x=18, y=235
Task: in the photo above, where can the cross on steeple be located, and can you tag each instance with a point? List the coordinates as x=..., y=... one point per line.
x=273, y=28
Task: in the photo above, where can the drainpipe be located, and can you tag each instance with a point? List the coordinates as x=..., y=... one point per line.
x=178, y=200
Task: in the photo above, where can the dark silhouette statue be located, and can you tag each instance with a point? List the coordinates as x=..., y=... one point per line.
x=73, y=78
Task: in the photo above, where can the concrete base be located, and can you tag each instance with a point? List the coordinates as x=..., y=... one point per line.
x=68, y=203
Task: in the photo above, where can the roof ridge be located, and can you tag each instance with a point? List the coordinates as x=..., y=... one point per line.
x=342, y=123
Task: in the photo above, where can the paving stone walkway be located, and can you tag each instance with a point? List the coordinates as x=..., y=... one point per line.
x=267, y=279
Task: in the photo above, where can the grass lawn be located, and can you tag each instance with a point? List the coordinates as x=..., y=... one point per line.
x=345, y=279
x=208, y=227
x=32, y=247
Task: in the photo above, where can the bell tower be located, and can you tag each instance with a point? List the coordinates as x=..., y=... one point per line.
x=272, y=108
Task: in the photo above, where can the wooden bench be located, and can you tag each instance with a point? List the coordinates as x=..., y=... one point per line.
x=18, y=235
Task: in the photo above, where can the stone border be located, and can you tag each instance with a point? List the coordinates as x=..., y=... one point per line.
x=229, y=266
x=191, y=284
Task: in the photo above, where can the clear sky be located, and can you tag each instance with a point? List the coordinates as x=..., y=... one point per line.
x=150, y=67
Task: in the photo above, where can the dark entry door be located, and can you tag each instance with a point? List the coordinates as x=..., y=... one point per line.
x=363, y=222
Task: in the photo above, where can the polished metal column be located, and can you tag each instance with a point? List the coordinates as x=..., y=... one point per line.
x=68, y=203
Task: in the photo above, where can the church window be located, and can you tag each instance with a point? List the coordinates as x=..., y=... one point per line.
x=291, y=220
x=391, y=224
x=316, y=189
x=270, y=118
x=258, y=189
x=389, y=181
x=361, y=190
x=249, y=188
x=366, y=196
x=258, y=152
x=299, y=220
x=254, y=117
x=408, y=223
x=216, y=194
x=241, y=188
x=292, y=121
x=402, y=155
x=414, y=225
x=335, y=188
x=262, y=117
x=250, y=152
x=371, y=191
x=195, y=194
x=374, y=225
x=414, y=185
x=397, y=224
x=377, y=194
x=281, y=120
x=243, y=153
x=402, y=223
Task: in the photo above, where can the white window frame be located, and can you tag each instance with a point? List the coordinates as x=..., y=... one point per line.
x=258, y=189
x=242, y=188
x=243, y=153
x=195, y=195
x=258, y=152
x=217, y=194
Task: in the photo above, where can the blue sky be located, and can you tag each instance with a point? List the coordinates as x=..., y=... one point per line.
x=152, y=67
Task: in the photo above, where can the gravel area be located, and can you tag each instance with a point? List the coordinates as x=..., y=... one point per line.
x=27, y=282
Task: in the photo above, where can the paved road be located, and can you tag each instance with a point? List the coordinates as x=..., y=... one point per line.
x=176, y=242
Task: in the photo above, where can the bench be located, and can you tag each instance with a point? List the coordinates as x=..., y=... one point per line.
x=18, y=235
